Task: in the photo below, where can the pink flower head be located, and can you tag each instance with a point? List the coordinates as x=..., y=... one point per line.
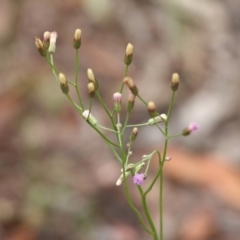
x=117, y=97
x=190, y=128
x=139, y=178
x=193, y=127
x=53, y=39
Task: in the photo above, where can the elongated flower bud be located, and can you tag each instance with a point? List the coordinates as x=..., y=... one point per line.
x=175, y=82
x=46, y=39
x=91, y=77
x=88, y=117
x=63, y=83
x=53, y=39
x=40, y=47
x=128, y=54
x=134, y=134
x=131, y=100
x=117, y=101
x=77, y=39
x=131, y=85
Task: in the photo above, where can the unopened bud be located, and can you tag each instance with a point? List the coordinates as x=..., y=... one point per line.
x=154, y=120
x=119, y=182
x=131, y=85
x=163, y=117
x=63, y=83
x=88, y=117
x=46, y=39
x=40, y=47
x=117, y=101
x=134, y=134
x=91, y=89
x=53, y=39
x=175, y=82
x=168, y=158
x=152, y=109
x=129, y=54
x=77, y=39
x=131, y=99
x=91, y=77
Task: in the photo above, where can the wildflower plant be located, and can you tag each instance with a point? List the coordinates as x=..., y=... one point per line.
x=138, y=171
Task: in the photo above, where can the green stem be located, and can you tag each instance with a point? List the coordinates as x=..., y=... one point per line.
x=142, y=100
x=125, y=74
x=148, y=215
x=54, y=70
x=76, y=79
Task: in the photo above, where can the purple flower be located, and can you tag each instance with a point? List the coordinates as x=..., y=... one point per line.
x=193, y=127
x=190, y=128
x=139, y=178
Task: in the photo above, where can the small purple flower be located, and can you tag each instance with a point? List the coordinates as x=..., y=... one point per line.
x=193, y=127
x=190, y=128
x=139, y=178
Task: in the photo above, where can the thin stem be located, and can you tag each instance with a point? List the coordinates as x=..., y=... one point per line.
x=148, y=215
x=142, y=100
x=125, y=74
x=54, y=70
x=76, y=79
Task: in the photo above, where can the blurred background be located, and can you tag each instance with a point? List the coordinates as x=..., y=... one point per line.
x=57, y=177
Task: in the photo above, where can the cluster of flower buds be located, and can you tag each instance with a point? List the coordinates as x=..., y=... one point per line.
x=48, y=45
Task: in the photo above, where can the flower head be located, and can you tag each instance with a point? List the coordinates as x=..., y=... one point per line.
x=190, y=128
x=193, y=127
x=53, y=39
x=139, y=178
x=117, y=97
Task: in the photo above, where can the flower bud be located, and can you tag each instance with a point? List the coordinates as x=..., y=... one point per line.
x=91, y=89
x=163, y=117
x=167, y=158
x=175, y=82
x=63, y=83
x=152, y=109
x=134, y=134
x=88, y=117
x=154, y=120
x=131, y=85
x=119, y=182
x=40, y=47
x=53, y=39
x=46, y=40
x=117, y=101
x=190, y=128
x=128, y=54
x=77, y=39
x=91, y=77
x=131, y=99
